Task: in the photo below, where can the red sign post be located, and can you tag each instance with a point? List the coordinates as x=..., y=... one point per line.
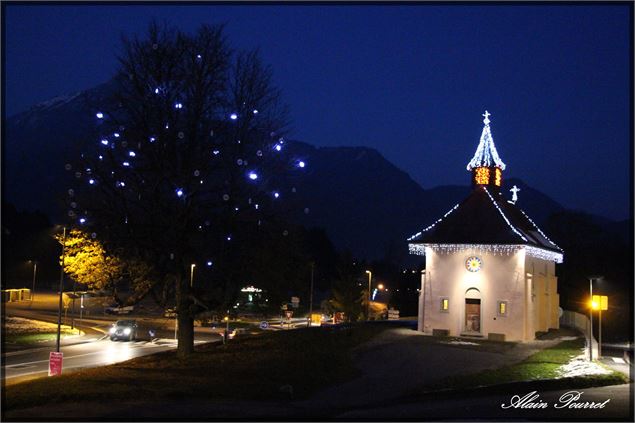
x=55, y=363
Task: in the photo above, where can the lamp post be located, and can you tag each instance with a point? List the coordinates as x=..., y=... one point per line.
x=422, y=300
x=591, y=278
x=59, y=309
x=34, y=273
x=192, y=266
x=311, y=295
x=370, y=274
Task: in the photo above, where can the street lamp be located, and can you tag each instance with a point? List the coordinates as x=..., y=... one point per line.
x=34, y=273
x=370, y=274
x=380, y=286
x=591, y=308
x=311, y=294
x=192, y=266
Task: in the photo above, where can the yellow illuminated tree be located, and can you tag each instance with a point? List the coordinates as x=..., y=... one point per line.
x=86, y=261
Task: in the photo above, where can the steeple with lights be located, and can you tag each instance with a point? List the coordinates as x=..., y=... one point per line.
x=486, y=166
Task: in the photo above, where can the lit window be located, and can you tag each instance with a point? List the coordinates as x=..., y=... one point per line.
x=481, y=177
x=445, y=304
x=502, y=308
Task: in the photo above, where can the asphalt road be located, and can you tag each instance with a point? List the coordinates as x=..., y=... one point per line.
x=89, y=350
x=21, y=365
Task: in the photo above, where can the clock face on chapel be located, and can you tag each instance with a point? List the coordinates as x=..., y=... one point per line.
x=473, y=264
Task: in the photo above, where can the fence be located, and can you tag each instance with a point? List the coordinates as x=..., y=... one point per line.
x=579, y=321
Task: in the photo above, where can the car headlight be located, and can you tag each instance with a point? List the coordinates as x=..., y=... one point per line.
x=127, y=331
x=112, y=330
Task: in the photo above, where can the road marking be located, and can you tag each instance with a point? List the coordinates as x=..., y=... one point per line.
x=65, y=358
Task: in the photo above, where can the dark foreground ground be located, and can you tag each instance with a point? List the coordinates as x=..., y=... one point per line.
x=362, y=372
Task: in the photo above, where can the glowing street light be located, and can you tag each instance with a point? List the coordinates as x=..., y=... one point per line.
x=192, y=266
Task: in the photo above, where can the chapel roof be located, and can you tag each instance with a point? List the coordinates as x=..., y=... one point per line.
x=485, y=217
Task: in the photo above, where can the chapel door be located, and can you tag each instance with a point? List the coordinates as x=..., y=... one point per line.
x=472, y=315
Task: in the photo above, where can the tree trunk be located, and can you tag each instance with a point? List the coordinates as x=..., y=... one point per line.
x=185, y=321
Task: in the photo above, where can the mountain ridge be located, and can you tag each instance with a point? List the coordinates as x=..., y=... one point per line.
x=367, y=204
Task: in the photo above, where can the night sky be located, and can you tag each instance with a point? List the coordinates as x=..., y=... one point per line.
x=409, y=81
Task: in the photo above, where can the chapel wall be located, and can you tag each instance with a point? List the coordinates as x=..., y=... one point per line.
x=499, y=280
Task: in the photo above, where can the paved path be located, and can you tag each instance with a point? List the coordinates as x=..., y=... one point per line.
x=399, y=361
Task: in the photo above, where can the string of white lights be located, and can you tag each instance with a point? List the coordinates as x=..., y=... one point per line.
x=503, y=214
x=541, y=232
x=494, y=249
x=486, y=154
x=433, y=225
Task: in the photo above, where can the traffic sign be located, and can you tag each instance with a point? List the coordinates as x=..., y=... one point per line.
x=264, y=325
x=55, y=363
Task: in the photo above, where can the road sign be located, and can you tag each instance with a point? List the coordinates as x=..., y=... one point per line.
x=264, y=325
x=55, y=363
x=602, y=301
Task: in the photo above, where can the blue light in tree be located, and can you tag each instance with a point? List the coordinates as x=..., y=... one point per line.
x=104, y=142
x=91, y=181
x=179, y=192
x=152, y=139
x=233, y=116
x=278, y=147
x=276, y=194
x=253, y=176
x=126, y=164
x=301, y=164
x=101, y=157
x=209, y=263
x=178, y=106
x=229, y=237
x=99, y=115
x=215, y=152
x=116, y=134
x=255, y=111
x=82, y=220
x=132, y=154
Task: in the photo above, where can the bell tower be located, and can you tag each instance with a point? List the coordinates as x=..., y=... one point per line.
x=486, y=166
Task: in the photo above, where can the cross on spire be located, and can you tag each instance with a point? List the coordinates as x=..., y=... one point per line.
x=514, y=191
x=486, y=115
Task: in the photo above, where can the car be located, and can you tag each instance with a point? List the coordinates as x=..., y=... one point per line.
x=123, y=329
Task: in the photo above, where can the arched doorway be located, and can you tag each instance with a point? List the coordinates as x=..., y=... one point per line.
x=472, y=311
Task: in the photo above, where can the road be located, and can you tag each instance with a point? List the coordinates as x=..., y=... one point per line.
x=28, y=364
x=90, y=350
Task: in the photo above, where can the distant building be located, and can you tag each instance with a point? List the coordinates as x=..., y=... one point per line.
x=490, y=271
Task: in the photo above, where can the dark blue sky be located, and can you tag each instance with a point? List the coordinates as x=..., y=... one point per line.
x=411, y=81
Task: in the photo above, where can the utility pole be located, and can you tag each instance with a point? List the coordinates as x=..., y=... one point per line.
x=591, y=320
x=34, y=273
x=59, y=309
x=311, y=295
x=370, y=275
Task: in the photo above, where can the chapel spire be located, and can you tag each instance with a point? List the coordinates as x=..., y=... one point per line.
x=486, y=166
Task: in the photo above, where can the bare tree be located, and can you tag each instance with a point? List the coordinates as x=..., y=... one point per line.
x=190, y=160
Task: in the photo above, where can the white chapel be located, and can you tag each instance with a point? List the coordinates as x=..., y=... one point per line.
x=489, y=270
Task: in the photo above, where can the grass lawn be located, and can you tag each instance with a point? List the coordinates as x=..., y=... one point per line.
x=26, y=331
x=251, y=367
x=543, y=365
